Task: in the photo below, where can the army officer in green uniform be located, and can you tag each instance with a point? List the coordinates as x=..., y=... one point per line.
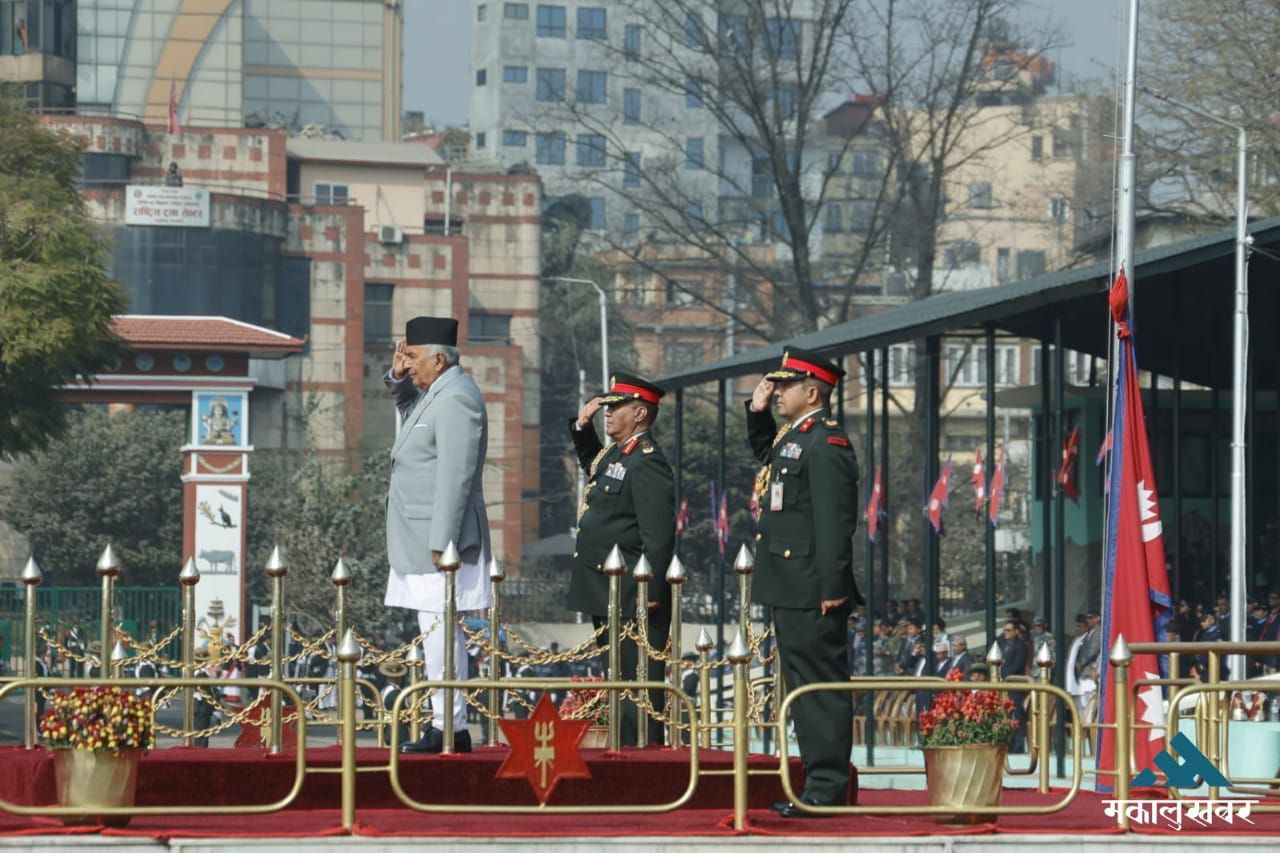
x=807, y=491
x=629, y=501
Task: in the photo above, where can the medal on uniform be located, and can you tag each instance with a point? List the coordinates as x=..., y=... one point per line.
x=616, y=471
x=775, y=496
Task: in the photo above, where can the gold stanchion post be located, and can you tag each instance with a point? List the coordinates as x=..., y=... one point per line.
x=348, y=654
x=31, y=578
x=108, y=568
x=676, y=576
x=415, y=662
x=704, y=646
x=743, y=565
x=188, y=578
x=450, y=560
x=276, y=569
x=1121, y=658
x=1042, y=702
x=340, y=577
x=643, y=573
x=614, y=567
x=496, y=577
x=739, y=655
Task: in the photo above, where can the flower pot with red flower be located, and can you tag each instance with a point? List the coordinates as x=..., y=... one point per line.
x=592, y=704
x=96, y=736
x=966, y=736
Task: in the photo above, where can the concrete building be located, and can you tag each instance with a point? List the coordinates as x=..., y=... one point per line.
x=335, y=63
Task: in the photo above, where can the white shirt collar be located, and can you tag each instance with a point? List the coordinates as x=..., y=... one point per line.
x=805, y=417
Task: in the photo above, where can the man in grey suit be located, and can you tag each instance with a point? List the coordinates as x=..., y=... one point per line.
x=437, y=497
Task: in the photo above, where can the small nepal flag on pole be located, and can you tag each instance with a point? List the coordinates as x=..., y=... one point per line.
x=979, y=480
x=173, y=107
x=682, y=514
x=1135, y=592
x=722, y=522
x=997, y=490
x=1067, y=470
x=875, y=504
x=939, y=498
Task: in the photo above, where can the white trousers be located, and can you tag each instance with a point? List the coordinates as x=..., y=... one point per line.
x=433, y=666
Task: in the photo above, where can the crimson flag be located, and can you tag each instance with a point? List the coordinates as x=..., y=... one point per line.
x=173, y=106
x=875, y=507
x=1067, y=470
x=682, y=514
x=979, y=480
x=939, y=498
x=997, y=490
x=1103, y=450
x=1135, y=592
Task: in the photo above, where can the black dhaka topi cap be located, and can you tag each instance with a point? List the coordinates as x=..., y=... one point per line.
x=625, y=386
x=441, y=331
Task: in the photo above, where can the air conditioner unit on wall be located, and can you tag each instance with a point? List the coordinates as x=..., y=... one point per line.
x=390, y=234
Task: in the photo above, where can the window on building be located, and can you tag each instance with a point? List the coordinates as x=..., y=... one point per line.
x=980, y=195
x=1037, y=147
x=678, y=356
x=785, y=96
x=693, y=215
x=550, y=84
x=864, y=164
x=631, y=169
x=964, y=365
x=591, y=23
x=835, y=218
x=1058, y=208
x=480, y=139
x=682, y=293
x=861, y=212
x=482, y=12
x=1030, y=263
x=491, y=329
x=692, y=29
x=1003, y=269
x=1061, y=145
x=630, y=106
x=515, y=74
x=548, y=149
x=631, y=226
x=734, y=37
x=591, y=87
x=761, y=177
x=551, y=21
x=590, y=149
x=515, y=11
x=782, y=37
x=379, y=334
x=327, y=193
x=902, y=364
x=482, y=76
x=693, y=153
x=515, y=138
x=693, y=92
x=631, y=41
x=779, y=229
x=596, y=220
x=834, y=162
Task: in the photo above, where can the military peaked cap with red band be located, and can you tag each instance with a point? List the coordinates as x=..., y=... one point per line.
x=623, y=387
x=800, y=363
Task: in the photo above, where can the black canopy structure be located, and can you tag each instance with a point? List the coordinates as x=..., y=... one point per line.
x=1182, y=294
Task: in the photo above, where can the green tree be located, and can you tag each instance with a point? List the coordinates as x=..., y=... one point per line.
x=56, y=300
x=114, y=479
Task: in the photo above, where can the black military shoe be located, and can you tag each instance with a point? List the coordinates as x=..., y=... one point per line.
x=432, y=741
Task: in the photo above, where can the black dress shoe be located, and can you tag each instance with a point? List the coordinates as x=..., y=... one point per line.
x=433, y=742
x=792, y=810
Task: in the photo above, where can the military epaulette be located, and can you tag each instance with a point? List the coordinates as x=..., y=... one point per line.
x=838, y=440
x=807, y=425
x=647, y=447
x=630, y=446
x=831, y=422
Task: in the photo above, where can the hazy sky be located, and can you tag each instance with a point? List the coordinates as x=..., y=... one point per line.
x=437, y=49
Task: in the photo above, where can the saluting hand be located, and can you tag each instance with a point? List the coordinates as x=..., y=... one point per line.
x=588, y=411
x=762, y=395
x=400, y=361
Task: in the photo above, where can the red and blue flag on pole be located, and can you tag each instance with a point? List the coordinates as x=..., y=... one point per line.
x=875, y=504
x=979, y=480
x=682, y=514
x=722, y=522
x=997, y=490
x=939, y=498
x=1135, y=593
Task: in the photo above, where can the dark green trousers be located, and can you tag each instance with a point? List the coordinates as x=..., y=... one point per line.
x=813, y=648
x=659, y=629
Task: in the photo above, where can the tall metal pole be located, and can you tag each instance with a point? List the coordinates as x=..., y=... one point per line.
x=31, y=578
x=276, y=570
x=189, y=577
x=721, y=403
x=1127, y=178
x=604, y=322
x=988, y=528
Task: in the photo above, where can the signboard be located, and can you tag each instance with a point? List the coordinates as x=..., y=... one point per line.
x=178, y=206
x=219, y=418
x=218, y=552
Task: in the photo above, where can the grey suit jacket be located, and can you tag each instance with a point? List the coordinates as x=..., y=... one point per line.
x=437, y=467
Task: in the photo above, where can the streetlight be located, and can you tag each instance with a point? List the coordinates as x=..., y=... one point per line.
x=604, y=324
x=1239, y=368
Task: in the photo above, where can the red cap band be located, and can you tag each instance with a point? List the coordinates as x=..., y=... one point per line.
x=643, y=393
x=816, y=370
